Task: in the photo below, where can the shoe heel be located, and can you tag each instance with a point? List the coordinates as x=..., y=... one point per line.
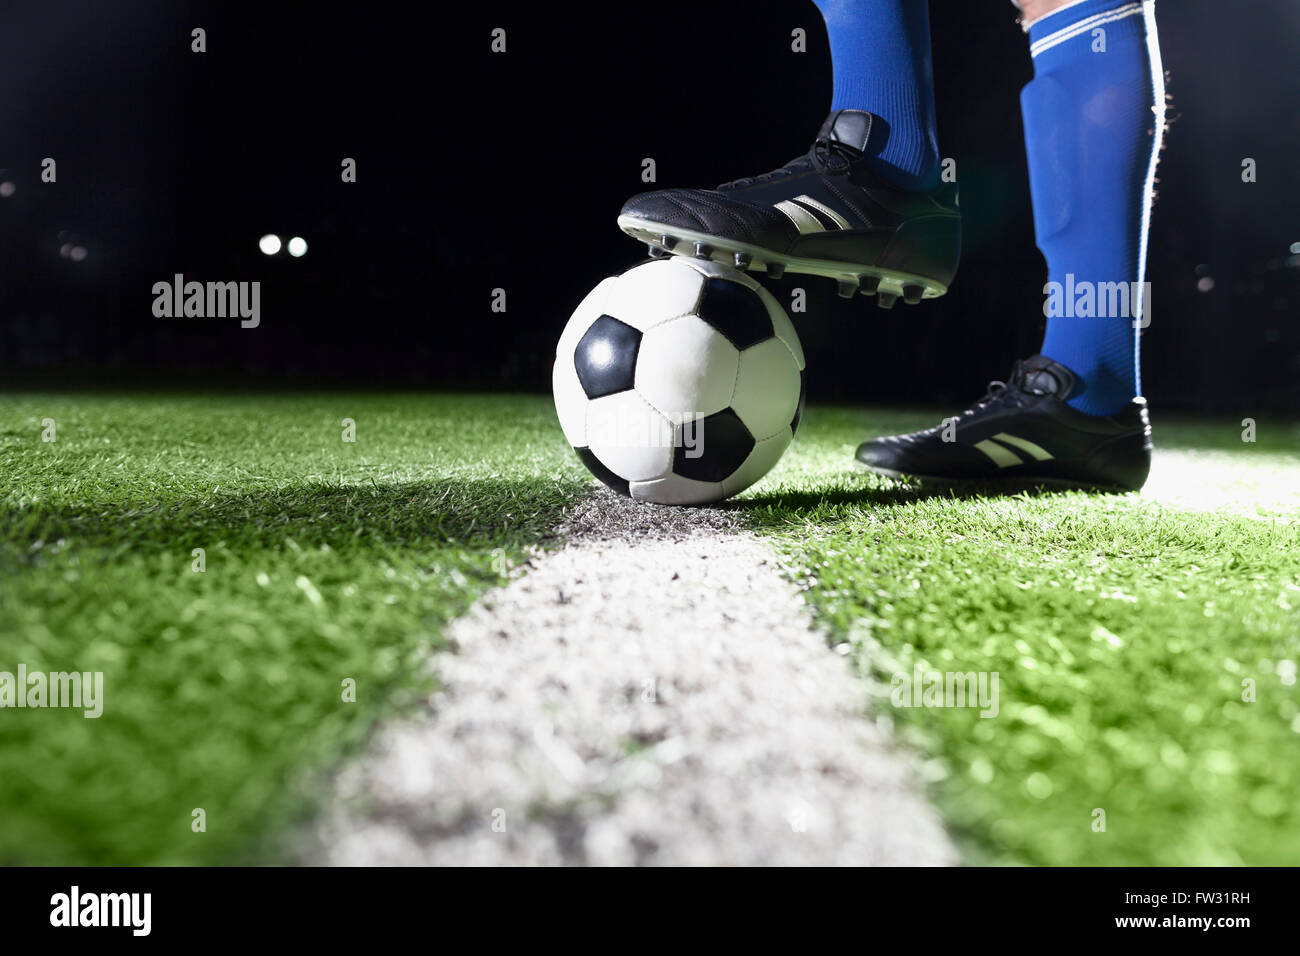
x=928, y=246
x=1125, y=462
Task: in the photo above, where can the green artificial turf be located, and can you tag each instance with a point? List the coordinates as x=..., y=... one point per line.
x=1122, y=629
x=325, y=561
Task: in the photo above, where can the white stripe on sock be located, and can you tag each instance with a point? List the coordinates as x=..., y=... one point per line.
x=1148, y=187
x=1083, y=26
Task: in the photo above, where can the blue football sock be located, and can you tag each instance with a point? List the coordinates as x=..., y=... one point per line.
x=1093, y=118
x=880, y=52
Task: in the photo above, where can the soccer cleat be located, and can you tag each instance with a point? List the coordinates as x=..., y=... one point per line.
x=1022, y=434
x=825, y=213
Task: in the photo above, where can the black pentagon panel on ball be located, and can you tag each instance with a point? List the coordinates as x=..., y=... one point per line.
x=798, y=409
x=735, y=310
x=605, y=357
x=723, y=442
x=597, y=468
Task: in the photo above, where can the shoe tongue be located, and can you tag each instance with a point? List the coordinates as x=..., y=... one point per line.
x=850, y=127
x=1041, y=376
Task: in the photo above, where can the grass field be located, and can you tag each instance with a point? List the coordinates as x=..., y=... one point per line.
x=325, y=561
x=1122, y=627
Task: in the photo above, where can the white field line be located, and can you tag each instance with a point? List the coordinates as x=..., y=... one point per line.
x=652, y=693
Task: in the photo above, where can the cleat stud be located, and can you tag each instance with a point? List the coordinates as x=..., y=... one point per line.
x=912, y=294
x=868, y=285
x=703, y=250
x=668, y=242
x=776, y=269
x=742, y=259
x=846, y=288
x=886, y=300
x=656, y=252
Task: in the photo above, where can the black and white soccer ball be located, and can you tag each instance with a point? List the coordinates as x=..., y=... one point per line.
x=680, y=381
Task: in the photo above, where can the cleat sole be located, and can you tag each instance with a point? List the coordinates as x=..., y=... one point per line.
x=889, y=285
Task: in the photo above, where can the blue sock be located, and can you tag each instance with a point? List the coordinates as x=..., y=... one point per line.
x=1093, y=117
x=880, y=51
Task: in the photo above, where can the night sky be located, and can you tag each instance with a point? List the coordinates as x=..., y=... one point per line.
x=479, y=171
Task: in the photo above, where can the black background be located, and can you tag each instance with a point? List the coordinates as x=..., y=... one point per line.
x=479, y=170
x=903, y=908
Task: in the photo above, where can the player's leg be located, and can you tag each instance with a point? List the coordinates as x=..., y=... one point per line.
x=880, y=57
x=865, y=206
x=1093, y=118
x=1091, y=140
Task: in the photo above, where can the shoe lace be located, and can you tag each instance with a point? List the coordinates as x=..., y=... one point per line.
x=826, y=155
x=995, y=389
x=998, y=390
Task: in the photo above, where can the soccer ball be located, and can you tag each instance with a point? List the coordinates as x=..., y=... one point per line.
x=680, y=381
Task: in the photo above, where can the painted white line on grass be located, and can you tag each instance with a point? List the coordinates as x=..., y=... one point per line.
x=652, y=693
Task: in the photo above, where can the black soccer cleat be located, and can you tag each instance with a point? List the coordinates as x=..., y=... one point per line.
x=1022, y=434
x=825, y=213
